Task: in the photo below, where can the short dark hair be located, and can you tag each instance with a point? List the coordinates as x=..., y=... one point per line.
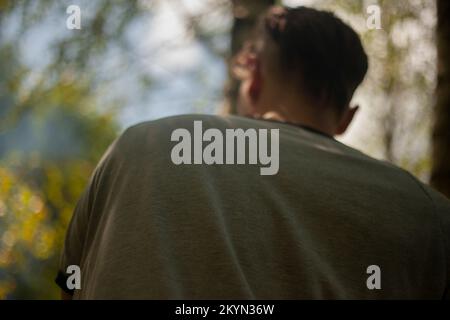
x=326, y=53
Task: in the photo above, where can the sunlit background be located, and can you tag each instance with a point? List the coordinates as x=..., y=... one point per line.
x=66, y=94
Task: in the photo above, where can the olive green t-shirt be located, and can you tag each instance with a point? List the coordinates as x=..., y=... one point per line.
x=146, y=228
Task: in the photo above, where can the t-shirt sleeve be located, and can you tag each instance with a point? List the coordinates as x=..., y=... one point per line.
x=75, y=239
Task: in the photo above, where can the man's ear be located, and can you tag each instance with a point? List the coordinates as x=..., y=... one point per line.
x=346, y=119
x=254, y=89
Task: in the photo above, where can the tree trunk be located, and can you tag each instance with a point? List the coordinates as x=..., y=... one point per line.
x=246, y=14
x=440, y=176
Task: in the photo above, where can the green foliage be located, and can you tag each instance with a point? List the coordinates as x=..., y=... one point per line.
x=51, y=136
x=41, y=179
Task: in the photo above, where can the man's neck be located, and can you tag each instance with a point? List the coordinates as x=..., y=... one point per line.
x=320, y=121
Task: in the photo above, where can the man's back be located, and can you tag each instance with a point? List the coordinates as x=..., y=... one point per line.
x=148, y=228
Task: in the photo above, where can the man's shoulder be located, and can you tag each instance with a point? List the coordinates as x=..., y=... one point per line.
x=187, y=120
x=156, y=134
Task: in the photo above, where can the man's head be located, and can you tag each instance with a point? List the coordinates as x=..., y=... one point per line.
x=302, y=66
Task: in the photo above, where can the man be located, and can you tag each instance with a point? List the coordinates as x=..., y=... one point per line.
x=157, y=221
